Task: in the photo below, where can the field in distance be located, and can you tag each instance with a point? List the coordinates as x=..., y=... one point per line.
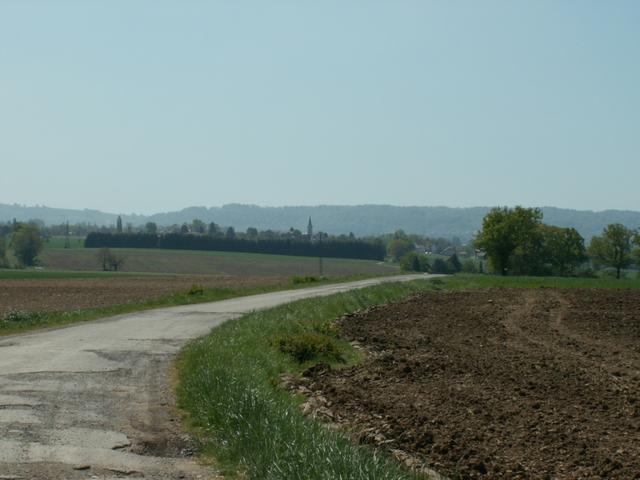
x=212, y=263
x=71, y=280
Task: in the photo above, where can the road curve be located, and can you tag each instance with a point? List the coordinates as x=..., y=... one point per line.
x=93, y=400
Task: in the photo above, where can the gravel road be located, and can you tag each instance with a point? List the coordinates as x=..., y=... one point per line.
x=94, y=401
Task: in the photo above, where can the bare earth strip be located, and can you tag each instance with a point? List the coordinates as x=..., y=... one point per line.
x=64, y=294
x=93, y=401
x=505, y=383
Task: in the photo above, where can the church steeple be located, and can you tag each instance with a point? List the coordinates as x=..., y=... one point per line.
x=310, y=229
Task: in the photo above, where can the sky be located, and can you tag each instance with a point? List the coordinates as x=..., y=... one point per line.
x=148, y=106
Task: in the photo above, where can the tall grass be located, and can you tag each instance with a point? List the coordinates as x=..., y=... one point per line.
x=475, y=281
x=228, y=386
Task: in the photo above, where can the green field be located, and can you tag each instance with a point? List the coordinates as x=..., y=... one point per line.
x=475, y=281
x=57, y=242
x=212, y=263
x=31, y=273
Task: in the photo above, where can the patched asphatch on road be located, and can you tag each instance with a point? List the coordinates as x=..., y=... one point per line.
x=93, y=425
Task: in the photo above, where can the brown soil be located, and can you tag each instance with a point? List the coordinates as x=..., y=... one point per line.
x=71, y=294
x=497, y=383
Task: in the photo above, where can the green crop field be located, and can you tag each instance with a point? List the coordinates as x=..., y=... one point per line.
x=212, y=263
x=476, y=281
x=11, y=274
x=56, y=242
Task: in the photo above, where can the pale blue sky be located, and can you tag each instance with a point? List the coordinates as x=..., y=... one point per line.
x=146, y=106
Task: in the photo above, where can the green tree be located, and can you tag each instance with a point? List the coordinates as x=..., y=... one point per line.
x=470, y=266
x=398, y=248
x=27, y=243
x=109, y=261
x=295, y=233
x=231, y=233
x=440, y=266
x=400, y=235
x=564, y=249
x=252, y=232
x=119, y=224
x=504, y=230
x=3, y=252
x=213, y=228
x=530, y=256
x=454, y=263
x=198, y=226
x=151, y=227
x=613, y=248
x=414, y=262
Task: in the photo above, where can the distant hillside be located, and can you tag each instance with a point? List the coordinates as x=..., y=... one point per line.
x=361, y=219
x=52, y=216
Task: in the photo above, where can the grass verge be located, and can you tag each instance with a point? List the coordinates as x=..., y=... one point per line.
x=475, y=281
x=228, y=382
x=228, y=386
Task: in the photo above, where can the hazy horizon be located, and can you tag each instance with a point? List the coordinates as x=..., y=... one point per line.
x=208, y=207
x=155, y=106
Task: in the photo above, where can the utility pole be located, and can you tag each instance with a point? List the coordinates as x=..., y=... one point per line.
x=320, y=263
x=67, y=243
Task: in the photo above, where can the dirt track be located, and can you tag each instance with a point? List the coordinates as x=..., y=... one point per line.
x=497, y=384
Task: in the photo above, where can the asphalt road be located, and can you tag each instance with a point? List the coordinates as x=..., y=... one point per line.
x=94, y=400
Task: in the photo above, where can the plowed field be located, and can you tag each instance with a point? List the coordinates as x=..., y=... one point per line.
x=64, y=294
x=498, y=383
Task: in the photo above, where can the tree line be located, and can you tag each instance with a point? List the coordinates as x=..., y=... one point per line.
x=517, y=242
x=514, y=241
x=327, y=247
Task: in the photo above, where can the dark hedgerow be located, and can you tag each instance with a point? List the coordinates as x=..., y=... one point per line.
x=334, y=248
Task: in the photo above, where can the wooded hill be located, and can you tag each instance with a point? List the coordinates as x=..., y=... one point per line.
x=362, y=220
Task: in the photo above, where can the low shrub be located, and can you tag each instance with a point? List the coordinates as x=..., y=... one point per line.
x=307, y=346
x=196, y=290
x=470, y=266
x=440, y=266
x=302, y=279
x=19, y=316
